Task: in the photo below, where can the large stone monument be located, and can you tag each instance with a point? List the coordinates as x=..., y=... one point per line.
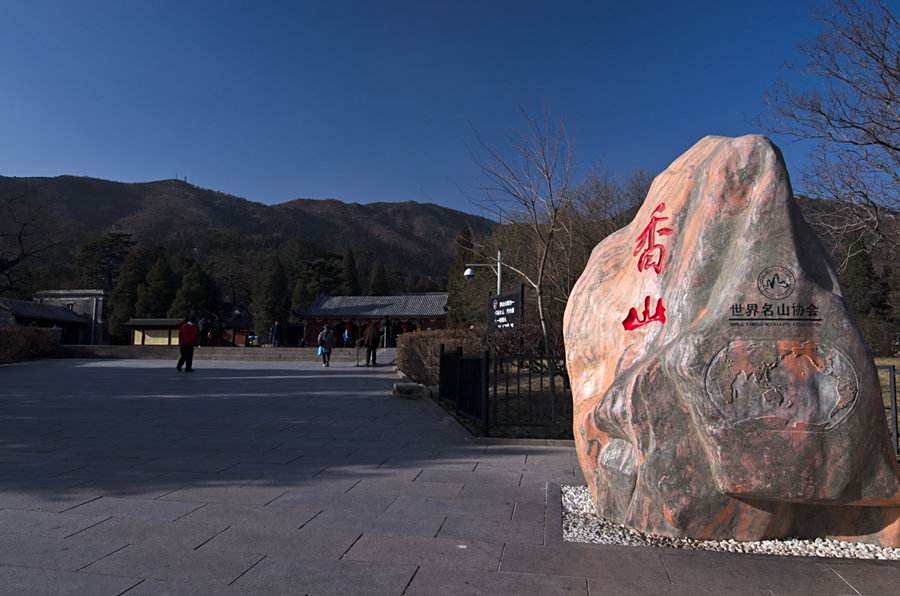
x=721, y=387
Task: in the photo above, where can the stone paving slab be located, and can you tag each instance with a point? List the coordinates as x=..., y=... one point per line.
x=154, y=587
x=779, y=574
x=183, y=534
x=42, y=523
x=272, y=478
x=524, y=532
x=601, y=563
x=365, y=521
x=163, y=562
x=290, y=576
x=54, y=553
x=442, y=581
x=397, y=487
x=140, y=508
x=239, y=494
x=276, y=518
x=306, y=543
x=463, y=553
x=459, y=506
x=16, y=581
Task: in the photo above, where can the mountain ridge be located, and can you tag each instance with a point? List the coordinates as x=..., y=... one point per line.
x=411, y=235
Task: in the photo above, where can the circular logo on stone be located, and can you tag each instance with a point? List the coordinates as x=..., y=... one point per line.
x=776, y=282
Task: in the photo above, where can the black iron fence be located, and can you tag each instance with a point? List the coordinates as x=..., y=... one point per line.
x=519, y=396
x=530, y=396
x=887, y=374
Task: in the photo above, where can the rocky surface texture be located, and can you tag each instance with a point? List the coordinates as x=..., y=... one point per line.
x=721, y=389
x=582, y=524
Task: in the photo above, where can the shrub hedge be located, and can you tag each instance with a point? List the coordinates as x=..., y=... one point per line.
x=418, y=353
x=25, y=343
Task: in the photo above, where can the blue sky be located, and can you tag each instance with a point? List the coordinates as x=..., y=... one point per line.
x=373, y=101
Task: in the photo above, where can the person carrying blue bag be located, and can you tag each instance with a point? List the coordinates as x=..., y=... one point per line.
x=326, y=344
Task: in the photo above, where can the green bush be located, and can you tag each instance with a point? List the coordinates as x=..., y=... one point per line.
x=418, y=353
x=25, y=343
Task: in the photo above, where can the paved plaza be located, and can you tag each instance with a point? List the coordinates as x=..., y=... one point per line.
x=282, y=478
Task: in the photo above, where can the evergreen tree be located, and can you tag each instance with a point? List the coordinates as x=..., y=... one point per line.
x=378, y=283
x=197, y=295
x=868, y=295
x=156, y=294
x=865, y=291
x=271, y=300
x=459, y=300
x=100, y=259
x=123, y=298
x=350, y=275
x=300, y=298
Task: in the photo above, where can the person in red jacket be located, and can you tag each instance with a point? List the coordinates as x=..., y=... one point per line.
x=187, y=339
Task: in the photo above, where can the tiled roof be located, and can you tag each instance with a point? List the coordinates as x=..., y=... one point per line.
x=23, y=309
x=153, y=322
x=405, y=305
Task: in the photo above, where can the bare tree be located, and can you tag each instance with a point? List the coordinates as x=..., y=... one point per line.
x=528, y=184
x=22, y=239
x=851, y=113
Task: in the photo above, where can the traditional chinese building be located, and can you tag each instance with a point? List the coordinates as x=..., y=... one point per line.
x=394, y=315
x=154, y=332
x=87, y=303
x=74, y=328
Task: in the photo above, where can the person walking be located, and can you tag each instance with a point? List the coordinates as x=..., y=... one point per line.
x=326, y=344
x=275, y=337
x=371, y=343
x=188, y=334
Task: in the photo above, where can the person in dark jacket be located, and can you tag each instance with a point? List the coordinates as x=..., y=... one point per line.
x=370, y=341
x=188, y=334
x=275, y=338
x=326, y=344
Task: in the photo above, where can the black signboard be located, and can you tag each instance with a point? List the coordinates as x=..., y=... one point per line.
x=506, y=311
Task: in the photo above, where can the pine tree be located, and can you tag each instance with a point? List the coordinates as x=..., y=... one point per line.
x=197, y=295
x=123, y=298
x=868, y=295
x=864, y=290
x=99, y=260
x=459, y=311
x=156, y=294
x=271, y=300
x=350, y=275
x=378, y=283
x=299, y=297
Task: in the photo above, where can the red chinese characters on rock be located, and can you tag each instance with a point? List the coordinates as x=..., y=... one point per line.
x=633, y=322
x=650, y=255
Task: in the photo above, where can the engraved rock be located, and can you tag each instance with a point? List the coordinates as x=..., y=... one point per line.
x=721, y=388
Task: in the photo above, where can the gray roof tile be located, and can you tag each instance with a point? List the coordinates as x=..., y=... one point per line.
x=405, y=305
x=23, y=309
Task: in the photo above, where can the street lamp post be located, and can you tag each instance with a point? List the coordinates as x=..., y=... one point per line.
x=495, y=266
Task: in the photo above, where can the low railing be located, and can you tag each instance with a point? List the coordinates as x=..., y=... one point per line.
x=511, y=396
x=889, y=394
x=530, y=396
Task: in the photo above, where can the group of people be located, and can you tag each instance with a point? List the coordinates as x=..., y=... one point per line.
x=369, y=340
x=189, y=336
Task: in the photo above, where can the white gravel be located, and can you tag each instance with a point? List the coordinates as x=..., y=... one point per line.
x=581, y=524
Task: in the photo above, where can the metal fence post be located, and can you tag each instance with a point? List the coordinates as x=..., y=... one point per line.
x=485, y=394
x=441, y=373
x=456, y=389
x=892, y=381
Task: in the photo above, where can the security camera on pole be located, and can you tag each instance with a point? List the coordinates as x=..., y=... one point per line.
x=496, y=267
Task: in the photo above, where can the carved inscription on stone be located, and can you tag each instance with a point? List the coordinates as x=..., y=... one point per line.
x=804, y=385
